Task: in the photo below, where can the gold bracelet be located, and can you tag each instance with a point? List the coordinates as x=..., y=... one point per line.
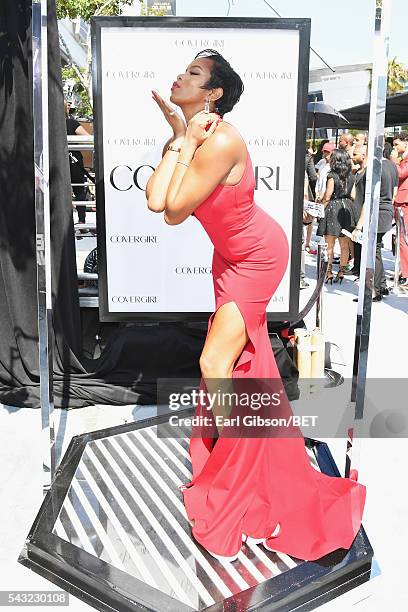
x=184, y=163
x=170, y=148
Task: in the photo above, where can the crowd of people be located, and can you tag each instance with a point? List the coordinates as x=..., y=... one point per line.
x=335, y=178
x=76, y=162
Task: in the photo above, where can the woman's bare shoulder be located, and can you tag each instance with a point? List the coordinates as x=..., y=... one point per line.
x=229, y=131
x=226, y=136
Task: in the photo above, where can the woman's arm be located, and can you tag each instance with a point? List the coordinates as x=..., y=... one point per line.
x=81, y=131
x=359, y=226
x=157, y=185
x=169, y=173
x=329, y=191
x=199, y=171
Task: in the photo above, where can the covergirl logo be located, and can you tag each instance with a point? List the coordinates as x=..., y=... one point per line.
x=124, y=141
x=193, y=270
x=267, y=75
x=199, y=43
x=264, y=141
x=124, y=178
x=134, y=299
x=130, y=74
x=267, y=177
x=119, y=239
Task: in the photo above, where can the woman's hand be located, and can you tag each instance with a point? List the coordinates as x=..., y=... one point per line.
x=173, y=119
x=201, y=126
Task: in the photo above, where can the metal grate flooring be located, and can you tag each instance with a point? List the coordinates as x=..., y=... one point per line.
x=124, y=507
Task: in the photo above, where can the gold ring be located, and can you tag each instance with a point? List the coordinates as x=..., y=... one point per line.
x=172, y=113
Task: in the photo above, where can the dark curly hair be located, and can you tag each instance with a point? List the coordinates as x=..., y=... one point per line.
x=223, y=75
x=387, y=150
x=340, y=163
x=401, y=136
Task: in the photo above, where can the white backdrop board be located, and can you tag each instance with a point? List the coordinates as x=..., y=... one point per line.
x=148, y=269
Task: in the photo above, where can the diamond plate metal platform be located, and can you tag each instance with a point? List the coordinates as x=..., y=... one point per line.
x=113, y=531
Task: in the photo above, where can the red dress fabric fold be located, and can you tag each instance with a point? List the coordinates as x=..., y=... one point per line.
x=246, y=485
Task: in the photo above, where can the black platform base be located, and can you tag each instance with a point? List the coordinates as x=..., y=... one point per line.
x=113, y=532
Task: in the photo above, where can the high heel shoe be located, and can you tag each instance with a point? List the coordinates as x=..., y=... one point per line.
x=329, y=275
x=273, y=535
x=340, y=275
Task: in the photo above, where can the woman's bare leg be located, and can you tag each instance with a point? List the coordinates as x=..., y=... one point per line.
x=351, y=248
x=344, y=250
x=309, y=231
x=224, y=344
x=330, y=241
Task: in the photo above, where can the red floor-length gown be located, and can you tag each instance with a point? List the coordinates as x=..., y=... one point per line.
x=248, y=485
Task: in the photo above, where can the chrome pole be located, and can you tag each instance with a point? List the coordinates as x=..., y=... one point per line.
x=372, y=197
x=42, y=221
x=321, y=256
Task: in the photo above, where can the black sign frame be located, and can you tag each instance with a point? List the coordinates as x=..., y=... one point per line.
x=301, y=25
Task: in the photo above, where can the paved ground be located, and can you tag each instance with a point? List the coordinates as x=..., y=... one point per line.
x=382, y=465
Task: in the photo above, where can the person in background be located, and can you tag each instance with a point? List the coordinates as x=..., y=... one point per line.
x=387, y=150
x=76, y=162
x=388, y=191
x=311, y=187
x=360, y=160
x=70, y=109
x=307, y=220
x=319, y=161
x=311, y=172
x=399, y=156
x=360, y=139
x=338, y=211
x=323, y=169
x=346, y=143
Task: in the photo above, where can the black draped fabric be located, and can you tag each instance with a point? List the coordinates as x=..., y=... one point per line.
x=77, y=381
x=134, y=356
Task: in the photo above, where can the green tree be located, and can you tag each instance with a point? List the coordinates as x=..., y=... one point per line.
x=88, y=8
x=397, y=77
x=84, y=108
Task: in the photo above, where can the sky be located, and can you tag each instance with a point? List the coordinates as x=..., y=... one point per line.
x=342, y=32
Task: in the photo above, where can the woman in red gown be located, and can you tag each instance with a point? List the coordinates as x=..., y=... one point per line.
x=262, y=488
